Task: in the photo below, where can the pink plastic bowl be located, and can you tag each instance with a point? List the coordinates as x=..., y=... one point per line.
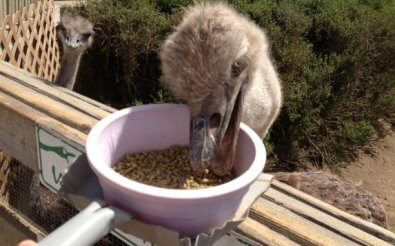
x=158, y=126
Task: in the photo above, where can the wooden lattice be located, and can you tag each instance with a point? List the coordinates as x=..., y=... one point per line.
x=28, y=40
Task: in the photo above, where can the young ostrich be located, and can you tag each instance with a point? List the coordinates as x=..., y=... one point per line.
x=218, y=62
x=75, y=33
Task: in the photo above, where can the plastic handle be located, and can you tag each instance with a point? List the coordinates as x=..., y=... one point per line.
x=86, y=228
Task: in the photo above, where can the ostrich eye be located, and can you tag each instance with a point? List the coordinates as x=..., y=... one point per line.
x=237, y=68
x=86, y=35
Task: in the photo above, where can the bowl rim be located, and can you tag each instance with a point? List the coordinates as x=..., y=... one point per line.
x=108, y=174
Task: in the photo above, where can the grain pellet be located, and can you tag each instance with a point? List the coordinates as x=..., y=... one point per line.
x=168, y=168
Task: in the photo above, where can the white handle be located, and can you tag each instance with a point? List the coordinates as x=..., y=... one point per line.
x=86, y=228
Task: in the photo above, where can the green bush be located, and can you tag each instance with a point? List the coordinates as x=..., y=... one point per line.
x=335, y=59
x=122, y=67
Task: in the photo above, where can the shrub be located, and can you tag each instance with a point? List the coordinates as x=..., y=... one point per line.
x=335, y=59
x=122, y=67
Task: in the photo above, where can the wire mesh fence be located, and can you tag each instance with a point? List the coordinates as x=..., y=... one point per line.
x=39, y=207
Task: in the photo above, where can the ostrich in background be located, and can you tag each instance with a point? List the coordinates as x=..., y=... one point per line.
x=218, y=62
x=339, y=193
x=75, y=33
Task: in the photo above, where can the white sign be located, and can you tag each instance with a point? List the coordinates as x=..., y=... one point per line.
x=54, y=157
x=55, y=154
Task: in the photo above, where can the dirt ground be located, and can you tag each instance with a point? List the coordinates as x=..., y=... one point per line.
x=375, y=172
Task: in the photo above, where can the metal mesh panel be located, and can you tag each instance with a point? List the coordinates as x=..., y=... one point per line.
x=23, y=193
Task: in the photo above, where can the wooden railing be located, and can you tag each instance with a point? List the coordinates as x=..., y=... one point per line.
x=281, y=216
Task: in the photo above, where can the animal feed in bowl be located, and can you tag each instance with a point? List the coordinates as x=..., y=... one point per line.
x=168, y=168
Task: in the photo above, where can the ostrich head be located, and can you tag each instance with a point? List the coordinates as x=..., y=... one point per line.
x=206, y=62
x=75, y=32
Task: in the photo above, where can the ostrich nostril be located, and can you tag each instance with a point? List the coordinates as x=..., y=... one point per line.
x=200, y=124
x=215, y=121
x=78, y=40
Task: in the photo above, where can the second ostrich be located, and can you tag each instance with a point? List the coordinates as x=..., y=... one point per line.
x=218, y=62
x=75, y=33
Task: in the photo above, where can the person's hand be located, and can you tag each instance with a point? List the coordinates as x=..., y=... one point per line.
x=28, y=243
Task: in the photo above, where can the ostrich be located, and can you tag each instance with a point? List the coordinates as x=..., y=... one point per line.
x=75, y=33
x=217, y=61
x=339, y=193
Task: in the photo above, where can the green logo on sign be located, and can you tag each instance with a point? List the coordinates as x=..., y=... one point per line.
x=59, y=150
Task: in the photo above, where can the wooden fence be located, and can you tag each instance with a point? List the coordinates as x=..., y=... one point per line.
x=28, y=40
x=281, y=216
x=11, y=6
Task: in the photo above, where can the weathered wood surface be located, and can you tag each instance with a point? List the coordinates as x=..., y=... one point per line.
x=304, y=220
x=281, y=216
x=26, y=100
x=5, y=168
x=11, y=231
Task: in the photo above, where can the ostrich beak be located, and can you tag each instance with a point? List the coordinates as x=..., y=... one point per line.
x=217, y=149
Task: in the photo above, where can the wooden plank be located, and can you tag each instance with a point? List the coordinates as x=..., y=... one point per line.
x=366, y=226
x=9, y=235
x=17, y=132
x=5, y=167
x=321, y=218
x=26, y=99
x=17, y=135
x=88, y=100
x=294, y=226
x=17, y=219
x=263, y=234
x=84, y=104
x=48, y=105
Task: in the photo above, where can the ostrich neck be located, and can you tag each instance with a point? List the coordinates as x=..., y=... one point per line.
x=68, y=69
